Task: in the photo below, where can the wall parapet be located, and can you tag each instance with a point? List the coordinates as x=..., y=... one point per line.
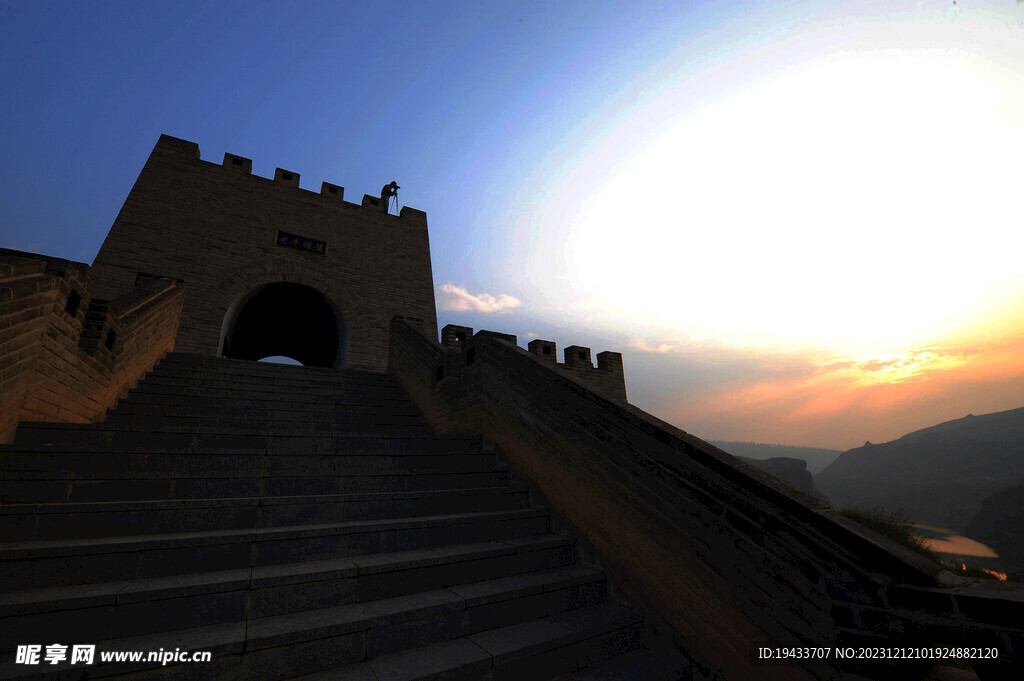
x=714, y=550
x=66, y=356
x=608, y=377
x=240, y=165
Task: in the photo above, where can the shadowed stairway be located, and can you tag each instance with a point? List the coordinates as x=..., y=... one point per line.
x=296, y=523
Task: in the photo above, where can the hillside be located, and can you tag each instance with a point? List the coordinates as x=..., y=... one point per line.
x=939, y=475
x=1000, y=524
x=817, y=459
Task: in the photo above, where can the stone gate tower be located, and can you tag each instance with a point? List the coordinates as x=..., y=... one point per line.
x=269, y=268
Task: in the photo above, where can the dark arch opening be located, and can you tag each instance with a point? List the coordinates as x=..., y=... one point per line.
x=283, y=319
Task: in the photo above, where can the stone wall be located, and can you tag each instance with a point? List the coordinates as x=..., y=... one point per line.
x=66, y=356
x=722, y=555
x=219, y=229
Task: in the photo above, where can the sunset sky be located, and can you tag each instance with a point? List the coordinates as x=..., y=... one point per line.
x=800, y=222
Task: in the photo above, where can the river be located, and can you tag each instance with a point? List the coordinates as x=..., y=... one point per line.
x=958, y=548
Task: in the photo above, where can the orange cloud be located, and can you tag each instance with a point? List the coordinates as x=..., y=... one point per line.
x=898, y=367
x=458, y=299
x=845, y=401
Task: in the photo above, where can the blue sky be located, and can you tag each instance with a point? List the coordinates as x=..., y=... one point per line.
x=796, y=220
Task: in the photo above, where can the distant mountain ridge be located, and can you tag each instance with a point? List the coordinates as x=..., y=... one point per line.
x=939, y=475
x=817, y=459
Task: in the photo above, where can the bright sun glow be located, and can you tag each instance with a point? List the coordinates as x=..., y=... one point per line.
x=865, y=202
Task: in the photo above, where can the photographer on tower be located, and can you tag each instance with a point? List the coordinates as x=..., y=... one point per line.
x=388, y=192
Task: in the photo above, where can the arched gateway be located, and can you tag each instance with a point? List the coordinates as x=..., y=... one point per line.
x=269, y=268
x=286, y=319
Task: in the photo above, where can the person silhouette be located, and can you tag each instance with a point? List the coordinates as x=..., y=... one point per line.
x=388, y=192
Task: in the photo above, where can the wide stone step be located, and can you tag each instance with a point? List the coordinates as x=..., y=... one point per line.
x=35, y=487
x=27, y=563
x=108, y=437
x=78, y=438
x=65, y=520
x=231, y=390
x=298, y=402
x=192, y=361
x=537, y=649
x=348, y=462
x=187, y=361
x=276, y=375
x=636, y=665
x=214, y=423
x=185, y=392
x=267, y=410
x=369, y=383
x=485, y=576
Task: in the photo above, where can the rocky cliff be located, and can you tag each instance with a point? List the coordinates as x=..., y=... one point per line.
x=793, y=471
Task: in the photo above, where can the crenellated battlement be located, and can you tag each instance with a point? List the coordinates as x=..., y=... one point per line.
x=240, y=165
x=608, y=377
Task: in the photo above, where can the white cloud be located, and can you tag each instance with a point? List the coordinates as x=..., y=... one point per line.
x=660, y=348
x=458, y=299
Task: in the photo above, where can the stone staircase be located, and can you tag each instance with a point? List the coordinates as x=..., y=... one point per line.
x=295, y=523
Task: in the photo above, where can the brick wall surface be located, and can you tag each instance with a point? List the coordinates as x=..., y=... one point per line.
x=58, y=359
x=725, y=556
x=215, y=226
